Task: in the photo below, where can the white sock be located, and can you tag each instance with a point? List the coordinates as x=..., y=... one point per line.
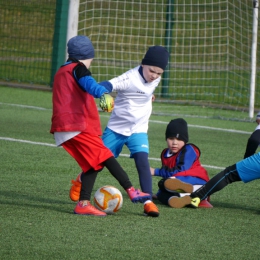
x=195, y=187
x=184, y=194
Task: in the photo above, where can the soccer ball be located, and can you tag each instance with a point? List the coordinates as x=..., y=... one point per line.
x=108, y=199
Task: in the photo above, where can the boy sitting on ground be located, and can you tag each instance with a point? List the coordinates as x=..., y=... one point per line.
x=181, y=168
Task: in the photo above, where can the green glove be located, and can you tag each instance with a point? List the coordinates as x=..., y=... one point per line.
x=106, y=103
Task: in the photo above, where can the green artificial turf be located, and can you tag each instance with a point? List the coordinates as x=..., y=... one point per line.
x=36, y=214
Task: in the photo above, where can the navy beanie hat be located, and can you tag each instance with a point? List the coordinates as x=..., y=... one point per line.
x=156, y=56
x=177, y=128
x=80, y=47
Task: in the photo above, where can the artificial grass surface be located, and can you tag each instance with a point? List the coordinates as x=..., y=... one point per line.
x=36, y=214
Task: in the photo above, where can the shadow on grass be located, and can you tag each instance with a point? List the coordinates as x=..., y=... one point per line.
x=228, y=205
x=25, y=200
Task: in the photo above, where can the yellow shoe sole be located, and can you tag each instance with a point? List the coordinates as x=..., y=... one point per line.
x=175, y=184
x=177, y=202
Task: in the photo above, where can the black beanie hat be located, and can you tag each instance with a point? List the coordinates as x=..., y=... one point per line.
x=177, y=128
x=156, y=56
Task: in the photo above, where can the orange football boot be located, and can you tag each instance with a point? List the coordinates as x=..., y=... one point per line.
x=75, y=188
x=150, y=209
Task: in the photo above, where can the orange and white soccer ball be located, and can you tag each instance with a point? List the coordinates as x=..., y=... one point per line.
x=108, y=199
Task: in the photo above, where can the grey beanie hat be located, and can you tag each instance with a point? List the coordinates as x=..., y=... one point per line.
x=156, y=56
x=177, y=128
x=80, y=47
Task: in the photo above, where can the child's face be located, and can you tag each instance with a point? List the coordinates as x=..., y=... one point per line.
x=174, y=144
x=151, y=73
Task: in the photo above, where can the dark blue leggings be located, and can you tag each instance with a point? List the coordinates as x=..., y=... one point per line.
x=143, y=169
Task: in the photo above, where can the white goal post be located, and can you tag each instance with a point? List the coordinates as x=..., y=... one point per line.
x=73, y=19
x=253, y=59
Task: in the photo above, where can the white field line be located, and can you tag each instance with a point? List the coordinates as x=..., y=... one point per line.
x=26, y=141
x=24, y=106
x=123, y=155
x=207, y=127
x=53, y=145
x=152, y=121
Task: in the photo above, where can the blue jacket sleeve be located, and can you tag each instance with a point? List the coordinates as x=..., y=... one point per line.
x=184, y=161
x=88, y=84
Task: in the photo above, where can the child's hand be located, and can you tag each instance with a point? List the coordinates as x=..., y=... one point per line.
x=152, y=171
x=106, y=103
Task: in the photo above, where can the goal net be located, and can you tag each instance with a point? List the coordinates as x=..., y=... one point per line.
x=209, y=44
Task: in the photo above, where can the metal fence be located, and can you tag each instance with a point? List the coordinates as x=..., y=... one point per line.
x=26, y=32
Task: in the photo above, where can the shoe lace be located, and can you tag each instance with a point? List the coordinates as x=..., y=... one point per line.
x=85, y=203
